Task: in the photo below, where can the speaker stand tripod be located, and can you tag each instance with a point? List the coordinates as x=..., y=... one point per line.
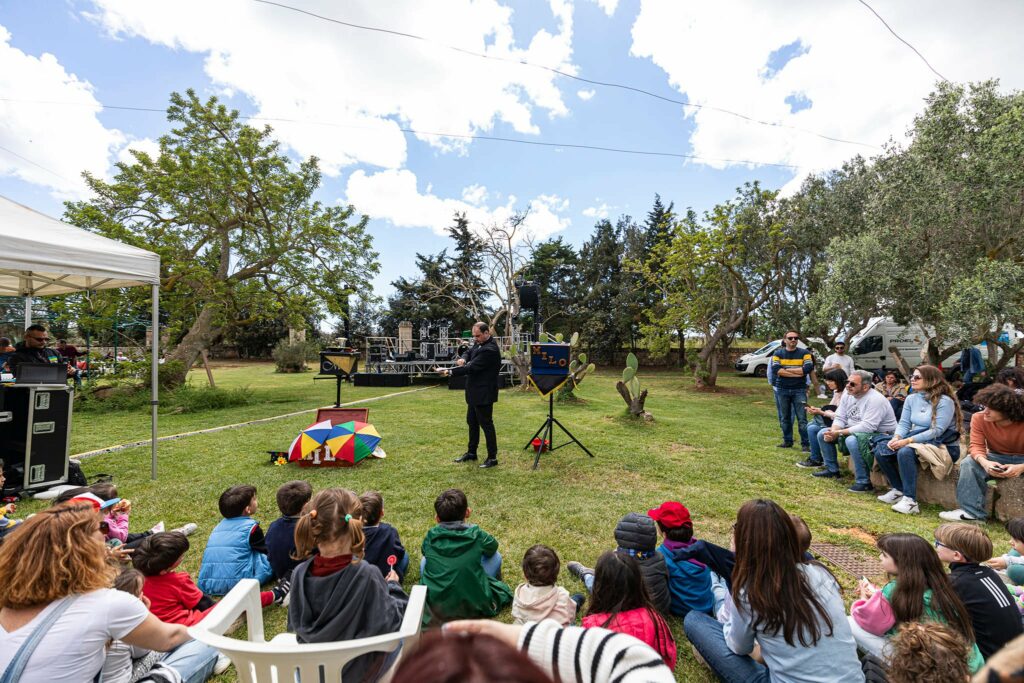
x=547, y=434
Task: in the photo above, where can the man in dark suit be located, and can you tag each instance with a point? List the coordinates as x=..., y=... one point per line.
x=481, y=365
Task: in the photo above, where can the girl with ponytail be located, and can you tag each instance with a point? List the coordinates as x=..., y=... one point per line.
x=336, y=596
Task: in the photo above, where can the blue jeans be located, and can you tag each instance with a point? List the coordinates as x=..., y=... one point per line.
x=830, y=455
x=403, y=565
x=791, y=404
x=971, y=488
x=193, y=660
x=812, y=435
x=707, y=635
x=900, y=467
x=491, y=565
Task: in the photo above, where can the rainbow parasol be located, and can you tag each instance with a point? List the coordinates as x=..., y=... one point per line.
x=309, y=439
x=352, y=441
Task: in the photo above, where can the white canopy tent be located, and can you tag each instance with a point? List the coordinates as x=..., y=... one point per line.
x=41, y=256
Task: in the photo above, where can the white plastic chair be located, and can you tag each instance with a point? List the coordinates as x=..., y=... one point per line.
x=280, y=659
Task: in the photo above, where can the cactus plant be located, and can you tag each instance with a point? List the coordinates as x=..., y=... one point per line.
x=629, y=388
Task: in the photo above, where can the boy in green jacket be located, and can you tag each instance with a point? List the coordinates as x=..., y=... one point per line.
x=461, y=565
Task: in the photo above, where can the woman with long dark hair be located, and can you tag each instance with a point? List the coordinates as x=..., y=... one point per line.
x=919, y=591
x=931, y=416
x=792, y=609
x=835, y=380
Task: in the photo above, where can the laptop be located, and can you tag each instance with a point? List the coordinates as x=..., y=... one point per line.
x=41, y=373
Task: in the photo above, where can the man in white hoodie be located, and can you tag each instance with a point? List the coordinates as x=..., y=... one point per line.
x=540, y=598
x=861, y=410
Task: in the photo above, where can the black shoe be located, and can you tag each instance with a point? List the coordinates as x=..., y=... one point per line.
x=466, y=457
x=826, y=474
x=805, y=449
x=489, y=462
x=809, y=463
x=281, y=592
x=784, y=445
x=861, y=488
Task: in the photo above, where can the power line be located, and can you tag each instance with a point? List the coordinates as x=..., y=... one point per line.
x=606, y=84
x=463, y=136
x=897, y=37
x=29, y=161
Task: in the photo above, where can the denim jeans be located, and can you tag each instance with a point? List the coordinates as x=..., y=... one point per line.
x=791, y=405
x=1015, y=571
x=971, y=488
x=812, y=434
x=707, y=635
x=193, y=660
x=900, y=467
x=491, y=565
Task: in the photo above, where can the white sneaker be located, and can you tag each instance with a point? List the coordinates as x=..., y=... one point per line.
x=892, y=497
x=221, y=666
x=187, y=529
x=907, y=506
x=957, y=515
x=157, y=528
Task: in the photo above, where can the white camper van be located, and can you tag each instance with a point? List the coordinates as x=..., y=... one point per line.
x=869, y=348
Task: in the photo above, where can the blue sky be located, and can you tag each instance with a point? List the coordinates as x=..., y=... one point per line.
x=833, y=70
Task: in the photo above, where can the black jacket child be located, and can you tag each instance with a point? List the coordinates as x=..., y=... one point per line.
x=994, y=615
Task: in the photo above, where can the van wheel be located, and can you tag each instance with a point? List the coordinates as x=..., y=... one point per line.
x=761, y=371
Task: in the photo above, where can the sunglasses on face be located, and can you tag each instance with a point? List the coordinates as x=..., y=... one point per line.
x=792, y=338
x=913, y=377
x=852, y=385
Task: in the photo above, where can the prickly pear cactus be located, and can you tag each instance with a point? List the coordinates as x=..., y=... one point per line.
x=629, y=388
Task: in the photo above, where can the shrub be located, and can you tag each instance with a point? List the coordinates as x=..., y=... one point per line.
x=190, y=399
x=292, y=357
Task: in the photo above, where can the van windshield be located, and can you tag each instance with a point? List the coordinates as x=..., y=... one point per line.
x=767, y=348
x=872, y=344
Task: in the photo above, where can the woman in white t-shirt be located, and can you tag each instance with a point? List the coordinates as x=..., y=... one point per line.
x=56, y=563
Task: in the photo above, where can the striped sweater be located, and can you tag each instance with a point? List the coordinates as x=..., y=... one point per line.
x=587, y=655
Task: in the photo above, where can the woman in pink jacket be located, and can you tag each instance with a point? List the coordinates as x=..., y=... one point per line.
x=620, y=602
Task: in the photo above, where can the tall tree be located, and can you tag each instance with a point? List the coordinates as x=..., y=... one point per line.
x=554, y=266
x=605, y=327
x=238, y=232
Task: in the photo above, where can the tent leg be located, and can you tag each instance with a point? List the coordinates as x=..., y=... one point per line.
x=154, y=375
x=28, y=310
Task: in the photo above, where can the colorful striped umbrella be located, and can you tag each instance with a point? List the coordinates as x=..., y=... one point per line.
x=308, y=440
x=352, y=441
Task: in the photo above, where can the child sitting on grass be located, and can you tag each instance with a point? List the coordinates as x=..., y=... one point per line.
x=620, y=602
x=689, y=580
x=237, y=548
x=173, y=597
x=993, y=612
x=539, y=598
x=920, y=591
x=461, y=565
x=336, y=596
x=927, y=651
x=382, y=539
x=7, y=524
x=1013, y=561
x=291, y=497
x=636, y=536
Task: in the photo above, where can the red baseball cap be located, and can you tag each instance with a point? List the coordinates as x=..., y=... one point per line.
x=671, y=514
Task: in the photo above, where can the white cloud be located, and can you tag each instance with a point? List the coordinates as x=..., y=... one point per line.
x=147, y=145
x=474, y=194
x=585, y=95
x=600, y=212
x=53, y=144
x=863, y=84
x=608, y=6
x=392, y=195
x=363, y=86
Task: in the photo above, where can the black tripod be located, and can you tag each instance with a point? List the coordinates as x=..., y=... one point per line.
x=548, y=430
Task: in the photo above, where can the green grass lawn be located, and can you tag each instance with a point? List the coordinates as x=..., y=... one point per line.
x=710, y=451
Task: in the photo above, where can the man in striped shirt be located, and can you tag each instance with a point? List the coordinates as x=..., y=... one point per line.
x=790, y=367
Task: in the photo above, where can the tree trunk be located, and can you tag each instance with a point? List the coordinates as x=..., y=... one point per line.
x=705, y=371
x=200, y=337
x=635, y=403
x=901, y=363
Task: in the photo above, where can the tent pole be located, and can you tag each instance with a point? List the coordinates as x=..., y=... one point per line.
x=28, y=310
x=154, y=374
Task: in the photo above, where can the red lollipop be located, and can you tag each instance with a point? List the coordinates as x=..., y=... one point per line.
x=392, y=560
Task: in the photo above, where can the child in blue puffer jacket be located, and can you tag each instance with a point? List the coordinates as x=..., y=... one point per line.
x=237, y=548
x=689, y=579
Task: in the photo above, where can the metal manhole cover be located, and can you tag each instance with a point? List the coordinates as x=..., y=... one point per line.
x=851, y=561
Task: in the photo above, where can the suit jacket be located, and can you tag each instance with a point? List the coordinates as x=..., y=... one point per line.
x=483, y=363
